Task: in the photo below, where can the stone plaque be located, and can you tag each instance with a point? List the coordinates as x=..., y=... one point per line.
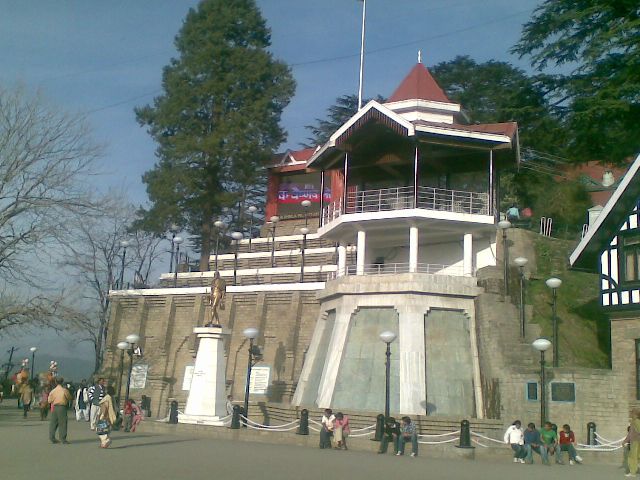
x=139, y=375
x=259, y=380
x=188, y=375
x=563, y=392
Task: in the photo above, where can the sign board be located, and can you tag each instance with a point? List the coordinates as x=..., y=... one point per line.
x=563, y=392
x=139, y=375
x=188, y=375
x=259, y=383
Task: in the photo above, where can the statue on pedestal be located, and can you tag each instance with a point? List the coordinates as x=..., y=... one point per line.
x=216, y=298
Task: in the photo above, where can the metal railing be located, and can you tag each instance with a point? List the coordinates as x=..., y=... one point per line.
x=400, y=198
x=396, y=268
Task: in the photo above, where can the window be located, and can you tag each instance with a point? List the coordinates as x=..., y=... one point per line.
x=637, y=369
x=631, y=258
x=563, y=392
x=532, y=391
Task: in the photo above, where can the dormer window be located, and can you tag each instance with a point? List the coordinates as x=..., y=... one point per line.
x=631, y=258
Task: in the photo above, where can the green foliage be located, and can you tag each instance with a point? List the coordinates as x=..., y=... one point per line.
x=599, y=40
x=345, y=107
x=583, y=327
x=217, y=121
x=496, y=91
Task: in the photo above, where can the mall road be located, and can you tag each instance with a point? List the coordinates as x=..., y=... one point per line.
x=26, y=453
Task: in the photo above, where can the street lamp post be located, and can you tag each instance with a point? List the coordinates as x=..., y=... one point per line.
x=177, y=241
x=306, y=204
x=274, y=220
x=124, y=244
x=388, y=338
x=237, y=236
x=174, y=229
x=542, y=345
x=304, y=231
x=250, y=333
x=33, y=362
x=505, y=225
x=554, y=283
x=252, y=210
x=131, y=341
x=122, y=346
x=219, y=224
x=521, y=262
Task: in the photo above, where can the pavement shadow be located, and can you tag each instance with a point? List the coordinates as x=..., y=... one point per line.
x=118, y=437
x=152, y=444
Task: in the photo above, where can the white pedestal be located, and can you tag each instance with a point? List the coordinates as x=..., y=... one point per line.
x=206, y=404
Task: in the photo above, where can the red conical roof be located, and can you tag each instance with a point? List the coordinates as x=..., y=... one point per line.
x=419, y=84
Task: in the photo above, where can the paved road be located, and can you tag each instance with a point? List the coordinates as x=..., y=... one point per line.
x=26, y=453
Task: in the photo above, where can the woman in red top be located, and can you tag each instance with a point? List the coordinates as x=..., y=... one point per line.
x=568, y=444
x=341, y=430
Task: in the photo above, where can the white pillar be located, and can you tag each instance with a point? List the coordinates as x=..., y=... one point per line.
x=206, y=403
x=467, y=262
x=413, y=249
x=342, y=259
x=360, y=253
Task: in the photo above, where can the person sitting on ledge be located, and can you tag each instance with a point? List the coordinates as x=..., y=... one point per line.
x=550, y=441
x=568, y=444
x=514, y=436
x=408, y=434
x=391, y=434
x=533, y=443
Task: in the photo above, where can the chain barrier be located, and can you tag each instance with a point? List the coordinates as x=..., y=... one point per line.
x=478, y=443
x=271, y=428
x=476, y=434
x=609, y=442
x=438, y=443
x=361, y=434
x=455, y=432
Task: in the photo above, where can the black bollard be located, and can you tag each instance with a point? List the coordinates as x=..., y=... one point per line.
x=303, y=429
x=173, y=412
x=465, y=435
x=379, y=428
x=235, y=419
x=591, y=434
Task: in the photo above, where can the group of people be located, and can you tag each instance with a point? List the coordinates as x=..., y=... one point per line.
x=334, y=427
x=545, y=442
x=96, y=404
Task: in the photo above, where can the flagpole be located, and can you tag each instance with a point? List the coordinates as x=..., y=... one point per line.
x=364, y=16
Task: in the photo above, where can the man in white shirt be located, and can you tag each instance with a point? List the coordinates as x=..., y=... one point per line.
x=326, y=431
x=514, y=436
x=82, y=402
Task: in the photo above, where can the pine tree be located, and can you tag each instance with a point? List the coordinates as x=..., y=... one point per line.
x=217, y=121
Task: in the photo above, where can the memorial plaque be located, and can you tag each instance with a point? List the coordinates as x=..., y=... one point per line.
x=188, y=375
x=259, y=380
x=139, y=375
x=563, y=392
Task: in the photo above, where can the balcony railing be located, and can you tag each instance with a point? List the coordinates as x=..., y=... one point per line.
x=396, y=268
x=400, y=198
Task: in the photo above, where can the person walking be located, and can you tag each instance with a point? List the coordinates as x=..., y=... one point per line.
x=514, y=436
x=59, y=398
x=44, y=403
x=136, y=415
x=341, y=431
x=634, y=440
x=26, y=397
x=106, y=418
x=408, y=433
x=95, y=394
x=82, y=402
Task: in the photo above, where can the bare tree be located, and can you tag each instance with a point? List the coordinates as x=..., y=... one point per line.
x=94, y=259
x=45, y=158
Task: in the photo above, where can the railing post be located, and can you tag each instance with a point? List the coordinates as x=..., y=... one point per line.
x=465, y=435
x=303, y=429
x=379, y=428
x=591, y=434
x=235, y=418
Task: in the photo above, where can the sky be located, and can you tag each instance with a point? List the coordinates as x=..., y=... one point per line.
x=103, y=59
